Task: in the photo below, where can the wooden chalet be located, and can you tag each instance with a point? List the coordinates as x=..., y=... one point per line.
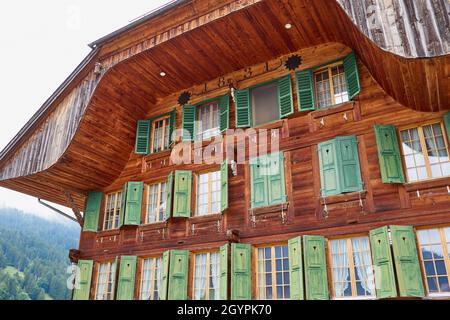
x=355, y=204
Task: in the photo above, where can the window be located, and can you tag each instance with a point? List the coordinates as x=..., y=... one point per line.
x=106, y=276
x=207, y=276
x=265, y=104
x=151, y=279
x=156, y=208
x=425, y=152
x=435, y=255
x=351, y=268
x=208, y=193
x=160, y=134
x=273, y=273
x=112, y=210
x=330, y=86
x=208, y=120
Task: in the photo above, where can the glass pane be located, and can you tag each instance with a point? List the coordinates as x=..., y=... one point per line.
x=265, y=104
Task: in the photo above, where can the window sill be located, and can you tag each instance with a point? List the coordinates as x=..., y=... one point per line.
x=158, y=155
x=427, y=184
x=153, y=226
x=353, y=196
x=277, y=124
x=269, y=209
x=337, y=108
x=108, y=233
x=438, y=296
x=355, y=298
x=206, y=218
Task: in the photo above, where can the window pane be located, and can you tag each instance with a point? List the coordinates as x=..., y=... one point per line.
x=265, y=104
x=208, y=121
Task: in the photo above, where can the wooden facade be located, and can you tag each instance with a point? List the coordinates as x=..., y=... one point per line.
x=81, y=153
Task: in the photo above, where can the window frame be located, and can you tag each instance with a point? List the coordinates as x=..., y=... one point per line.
x=252, y=105
x=147, y=201
x=198, y=136
x=196, y=193
x=208, y=271
x=321, y=69
x=419, y=127
x=98, y=265
x=165, y=127
x=116, y=210
x=153, y=275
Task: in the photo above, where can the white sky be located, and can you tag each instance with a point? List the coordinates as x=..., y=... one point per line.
x=41, y=44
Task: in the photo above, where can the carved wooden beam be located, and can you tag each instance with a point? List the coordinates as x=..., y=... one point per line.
x=72, y=204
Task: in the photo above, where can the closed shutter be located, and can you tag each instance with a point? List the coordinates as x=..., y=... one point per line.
x=169, y=197
x=389, y=154
x=258, y=175
x=188, y=123
x=92, y=212
x=224, y=272
x=164, y=275
x=241, y=278
x=224, y=186
x=382, y=263
x=182, y=194
x=350, y=173
x=127, y=278
x=173, y=119
x=305, y=90
x=329, y=172
x=406, y=261
x=224, y=107
x=447, y=125
x=316, y=279
x=352, y=75
x=285, y=100
x=243, y=111
x=275, y=179
x=178, y=275
x=296, y=268
x=133, y=205
x=143, y=137
x=84, y=281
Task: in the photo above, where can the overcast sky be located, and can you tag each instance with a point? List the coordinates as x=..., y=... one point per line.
x=42, y=43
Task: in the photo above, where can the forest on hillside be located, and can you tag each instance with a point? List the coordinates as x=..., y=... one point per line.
x=34, y=256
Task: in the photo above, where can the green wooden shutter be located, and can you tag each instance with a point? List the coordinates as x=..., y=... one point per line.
x=164, y=275
x=243, y=109
x=133, y=205
x=275, y=179
x=382, y=262
x=143, y=137
x=224, y=107
x=173, y=119
x=409, y=275
x=258, y=176
x=84, y=282
x=285, y=100
x=352, y=75
x=296, y=268
x=316, y=279
x=169, y=196
x=92, y=212
x=329, y=172
x=224, y=186
x=389, y=154
x=224, y=272
x=241, y=277
x=189, y=115
x=123, y=206
x=447, y=125
x=182, y=194
x=178, y=275
x=127, y=277
x=350, y=172
x=305, y=90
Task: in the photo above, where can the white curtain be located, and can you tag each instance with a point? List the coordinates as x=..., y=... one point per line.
x=101, y=282
x=158, y=275
x=215, y=274
x=200, y=277
x=145, y=284
x=340, y=267
x=261, y=274
x=363, y=264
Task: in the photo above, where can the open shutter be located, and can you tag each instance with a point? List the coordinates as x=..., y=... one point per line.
x=285, y=100
x=178, y=275
x=169, y=197
x=305, y=90
x=143, y=137
x=127, y=277
x=275, y=179
x=329, y=173
x=165, y=275
x=173, y=120
x=382, y=262
x=92, y=212
x=350, y=172
x=182, y=194
x=243, y=111
x=133, y=205
x=406, y=261
x=259, y=196
x=447, y=125
x=223, y=295
x=224, y=107
x=389, y=154
x=316, y=279
x=123, y=206
x=84, y=281
x=188, y=123
x=352, y=75
x=241, y=278
x=296, y=268
x=224, y=186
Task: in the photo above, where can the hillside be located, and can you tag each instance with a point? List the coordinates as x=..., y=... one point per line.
x=34, y=256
